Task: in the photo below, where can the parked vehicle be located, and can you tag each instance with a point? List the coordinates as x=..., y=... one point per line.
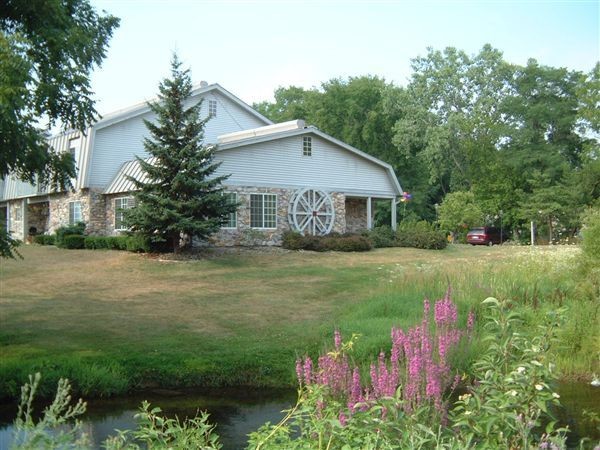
x=485, y=236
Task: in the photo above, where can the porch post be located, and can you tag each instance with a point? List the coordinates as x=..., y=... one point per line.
x=369, y=214
x=25, y=217
x=394, y=219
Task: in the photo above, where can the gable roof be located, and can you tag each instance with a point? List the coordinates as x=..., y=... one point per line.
x=142, y=108
x=121, y=182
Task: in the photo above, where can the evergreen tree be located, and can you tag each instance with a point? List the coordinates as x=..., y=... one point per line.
x=178, y=197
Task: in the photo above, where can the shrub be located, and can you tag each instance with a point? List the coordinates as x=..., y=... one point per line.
x=292, y=240
x=73, y=241
x=78, y=228
x=381, y=237
x=96, y=242
x=420, y=235
x=44, y=239
x=590, y=243
x=332, y=242
x=137, y=243
x=117, y=242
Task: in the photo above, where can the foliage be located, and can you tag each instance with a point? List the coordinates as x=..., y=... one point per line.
x=293, y=240
x=73, y=241
x=47, y=52
x=523, y=139
x=155, y=431
x=182, y=198
x=591, y=235
x=509, y=406
x=458, y=213
x=45, y=239
x=420, y=235
x=381, y=237
x=138, y=243
x=61, y=232
x=55, y=429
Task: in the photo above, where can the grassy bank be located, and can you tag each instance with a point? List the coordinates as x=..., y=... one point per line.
x=114, y=321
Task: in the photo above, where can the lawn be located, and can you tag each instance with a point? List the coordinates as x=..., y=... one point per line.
x=113, y=321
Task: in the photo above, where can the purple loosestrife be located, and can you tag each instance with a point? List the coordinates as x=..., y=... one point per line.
x=418, y=364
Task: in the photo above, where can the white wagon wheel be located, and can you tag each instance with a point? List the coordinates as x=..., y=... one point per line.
x=311, y=211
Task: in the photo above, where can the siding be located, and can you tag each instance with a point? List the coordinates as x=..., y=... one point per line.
x=281, y=163
x=15, y=188
x=120, y=142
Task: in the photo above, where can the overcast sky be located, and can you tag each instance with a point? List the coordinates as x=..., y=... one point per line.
x=253, y=47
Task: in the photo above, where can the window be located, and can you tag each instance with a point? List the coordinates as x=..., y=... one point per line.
x=263, y=210
x=18, y=213
x=75, y=213
x=307, y=146
x=232, y=200
x=212, y=108
x=121, y=204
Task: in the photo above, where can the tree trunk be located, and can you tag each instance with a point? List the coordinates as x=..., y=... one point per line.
x=175, y=241
x=550, y=230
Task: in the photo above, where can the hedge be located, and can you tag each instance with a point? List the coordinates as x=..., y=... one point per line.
x=332, y=242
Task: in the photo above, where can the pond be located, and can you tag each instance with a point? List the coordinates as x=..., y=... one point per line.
x=237, y=412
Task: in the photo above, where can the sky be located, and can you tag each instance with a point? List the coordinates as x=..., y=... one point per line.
x=253, y=47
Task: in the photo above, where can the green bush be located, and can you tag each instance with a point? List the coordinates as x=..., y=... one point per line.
x=292, y=240
x=420, y=235
x=73, y=241
x=96, y=242
x=137, y=243
x=590, y=243
x=381, y=237
x=117, y=242
x=332, y=242
x=44, y=239
x=76, y=229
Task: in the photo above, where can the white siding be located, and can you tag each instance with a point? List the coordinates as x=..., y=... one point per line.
x=281, y=163
x=15, y=188
x=122, y=141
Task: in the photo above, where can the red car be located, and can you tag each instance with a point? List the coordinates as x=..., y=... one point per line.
x=485, y=236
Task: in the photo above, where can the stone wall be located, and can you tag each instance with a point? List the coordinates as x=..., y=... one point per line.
x=92, y=210
x=356, y=214
x=37, y=216
x=244, y=235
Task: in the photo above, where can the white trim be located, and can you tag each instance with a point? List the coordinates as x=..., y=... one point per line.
x=250, y=194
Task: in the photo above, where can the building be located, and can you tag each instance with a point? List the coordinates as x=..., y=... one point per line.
x=284, y=176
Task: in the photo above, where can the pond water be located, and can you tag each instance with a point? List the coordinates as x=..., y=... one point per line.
x=237, y=412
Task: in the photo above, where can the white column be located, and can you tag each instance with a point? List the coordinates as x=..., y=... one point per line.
x=394, y=219
x=369, y=214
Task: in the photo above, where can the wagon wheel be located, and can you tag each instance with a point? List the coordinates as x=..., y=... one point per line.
x=311, y=212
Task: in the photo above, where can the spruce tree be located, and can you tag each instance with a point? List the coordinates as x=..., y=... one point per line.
x=178, y=197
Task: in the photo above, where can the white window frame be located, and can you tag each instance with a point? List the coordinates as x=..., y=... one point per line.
x=212, y=108
x=18, y=213
x=263, y=194
x=73, y=210
x=306, y=146
x=130, y=203
x=235, y=200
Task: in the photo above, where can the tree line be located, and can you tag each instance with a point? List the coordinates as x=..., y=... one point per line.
x=475, y=139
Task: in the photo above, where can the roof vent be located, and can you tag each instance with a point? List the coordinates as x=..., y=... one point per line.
x=203, y=84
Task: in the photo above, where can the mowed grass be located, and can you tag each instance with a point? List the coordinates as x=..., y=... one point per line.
x=115, y=321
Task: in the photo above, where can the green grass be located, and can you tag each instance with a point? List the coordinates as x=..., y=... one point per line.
x=115, y=321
